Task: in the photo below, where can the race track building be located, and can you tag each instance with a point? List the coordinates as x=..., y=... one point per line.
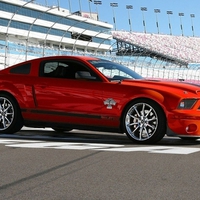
x=29, y=30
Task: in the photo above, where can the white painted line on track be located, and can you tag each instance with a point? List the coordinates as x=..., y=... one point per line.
x=97, y=146
x=157, y=149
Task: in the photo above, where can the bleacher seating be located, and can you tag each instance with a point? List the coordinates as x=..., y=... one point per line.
x=186, y=49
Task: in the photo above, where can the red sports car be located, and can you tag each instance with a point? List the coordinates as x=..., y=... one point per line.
x=78, y=92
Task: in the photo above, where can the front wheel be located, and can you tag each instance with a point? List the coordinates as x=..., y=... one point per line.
x=144, y=121
x=192, y=139
x=10, y=115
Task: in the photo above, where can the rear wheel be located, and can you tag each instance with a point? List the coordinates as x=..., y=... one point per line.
x=10, y=115
x=144, y=121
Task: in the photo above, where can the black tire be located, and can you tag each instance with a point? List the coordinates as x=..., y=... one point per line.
x=60, y=130
x=11, y=119
x=192, y=139
x=144, y=121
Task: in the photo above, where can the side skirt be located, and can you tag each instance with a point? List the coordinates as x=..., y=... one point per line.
x=36, y=124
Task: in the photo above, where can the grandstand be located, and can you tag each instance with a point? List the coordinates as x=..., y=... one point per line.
x=178, y=49
x=159, y=55
x=29, y=30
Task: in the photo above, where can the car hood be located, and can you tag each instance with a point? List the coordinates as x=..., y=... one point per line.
x=159, y=84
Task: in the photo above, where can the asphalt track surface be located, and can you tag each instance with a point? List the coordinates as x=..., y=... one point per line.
x=40, y=164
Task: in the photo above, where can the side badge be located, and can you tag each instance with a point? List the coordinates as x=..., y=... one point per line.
x=109, y=103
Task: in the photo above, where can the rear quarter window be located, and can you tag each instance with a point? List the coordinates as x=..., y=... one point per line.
x=21, y=69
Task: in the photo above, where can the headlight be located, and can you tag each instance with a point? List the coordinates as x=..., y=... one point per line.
x=186, y=103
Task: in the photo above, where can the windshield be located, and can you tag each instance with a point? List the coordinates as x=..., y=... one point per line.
x=114, y=71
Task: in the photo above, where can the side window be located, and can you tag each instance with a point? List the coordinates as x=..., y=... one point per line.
x=54, y=69
x=21, y=69
x=67, y=69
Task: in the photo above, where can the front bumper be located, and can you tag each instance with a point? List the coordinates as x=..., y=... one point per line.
x=184, y=122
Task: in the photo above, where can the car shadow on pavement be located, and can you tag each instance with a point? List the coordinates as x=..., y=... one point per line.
x=82, y=136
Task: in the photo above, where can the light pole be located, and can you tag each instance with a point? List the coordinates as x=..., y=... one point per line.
x=128, y=7
x=58, y=4
x=97, y=3
x=181, y=15
x=144, y=9
x=70, y=10
x=157, y=25
x=114, y=5
x=192, y=16
x=90, y=8
x=80, y=6
x=170, y=28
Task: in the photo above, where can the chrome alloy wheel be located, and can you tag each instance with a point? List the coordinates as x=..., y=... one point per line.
x=6, y=113
x=141, y=121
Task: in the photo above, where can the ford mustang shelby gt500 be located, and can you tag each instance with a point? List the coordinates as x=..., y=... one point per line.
x=68, y=92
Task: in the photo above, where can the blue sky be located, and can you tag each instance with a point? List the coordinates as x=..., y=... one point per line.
x=136, y=15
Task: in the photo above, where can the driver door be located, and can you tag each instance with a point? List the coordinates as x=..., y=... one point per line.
x=65, y=98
